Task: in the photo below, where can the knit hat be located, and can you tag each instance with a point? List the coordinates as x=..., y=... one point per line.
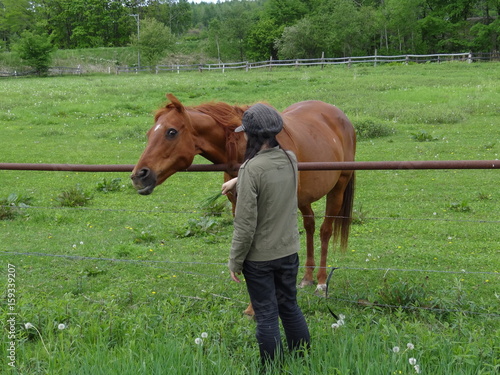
x=261, y=119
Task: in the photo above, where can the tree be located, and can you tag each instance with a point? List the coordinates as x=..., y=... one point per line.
x=261, y=40
x=401, y=29
x=154, y=39
x=299, y=41
x=15, y=17
x=338, y=27
x=36, y=50
x=85, y=23
x=286, y=12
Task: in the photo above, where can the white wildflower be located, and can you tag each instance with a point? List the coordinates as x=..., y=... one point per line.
x=198, y=341
x=61, y=326
x=28, y=325
x=412, y=361
x=335, y=325
x=417, y=369
x=395, y=349
x=410, y=346
x=204, y=335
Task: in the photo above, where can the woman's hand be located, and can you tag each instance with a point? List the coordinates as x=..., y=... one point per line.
x=229, y=185
x=235, y=277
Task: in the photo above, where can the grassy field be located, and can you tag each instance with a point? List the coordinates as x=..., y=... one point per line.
x=125, y=284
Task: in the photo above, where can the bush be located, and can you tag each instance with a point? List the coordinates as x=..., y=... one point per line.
x=36, y=50
x=12, y=206
x=155, y=38
x=423, y=136
x=74, y=197
x=368, y=128
x=106, y=186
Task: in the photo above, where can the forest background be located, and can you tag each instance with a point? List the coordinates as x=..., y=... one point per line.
x=167, y=31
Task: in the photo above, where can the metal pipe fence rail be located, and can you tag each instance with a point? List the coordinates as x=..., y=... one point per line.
x=354, y=165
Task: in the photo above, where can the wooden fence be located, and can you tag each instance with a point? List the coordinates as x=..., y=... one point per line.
x=468, y=57
x=57, y=70
x=374, y=60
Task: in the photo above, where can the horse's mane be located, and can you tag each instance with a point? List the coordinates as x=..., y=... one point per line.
x=226, y=115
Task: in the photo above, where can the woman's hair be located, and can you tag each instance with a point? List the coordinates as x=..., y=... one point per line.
x=256, y=141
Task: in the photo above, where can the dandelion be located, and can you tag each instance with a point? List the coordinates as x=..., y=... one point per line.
x=198, y=341
x=29, y=326
x=417, y=369
x=204, y=335
x=395, y=349
x=412, y=361
x=410, y=346
x=340, y=322
x=335, y=325
x=61, y=326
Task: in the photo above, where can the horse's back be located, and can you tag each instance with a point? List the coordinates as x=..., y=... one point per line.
x=318, y=131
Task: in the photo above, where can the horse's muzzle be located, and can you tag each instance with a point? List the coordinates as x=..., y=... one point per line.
x=144, y=181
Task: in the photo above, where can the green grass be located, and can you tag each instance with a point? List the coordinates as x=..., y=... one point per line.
x=135, y=280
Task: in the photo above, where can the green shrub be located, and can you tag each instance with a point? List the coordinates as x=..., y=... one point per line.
x=423, y=136
x=74, y=197
x=214, y=205
x=106, y=186
x=368, y=128
x=143, y=237
x=36, y=50
x=12, y=206
x=460, y=206
x=402, y=294
x=215, y=214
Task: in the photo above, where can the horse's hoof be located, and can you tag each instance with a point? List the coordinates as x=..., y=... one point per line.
x=321, y=287
x=321, y=290
x=305, y=283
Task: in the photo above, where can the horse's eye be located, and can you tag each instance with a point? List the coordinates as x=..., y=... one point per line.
x=171, y=133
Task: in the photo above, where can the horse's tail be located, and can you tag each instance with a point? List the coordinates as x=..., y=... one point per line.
x=343, y=222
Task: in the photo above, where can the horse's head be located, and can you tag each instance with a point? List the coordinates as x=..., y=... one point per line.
x=170, y=147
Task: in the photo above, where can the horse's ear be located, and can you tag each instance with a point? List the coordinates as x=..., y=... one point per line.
x=177, y=104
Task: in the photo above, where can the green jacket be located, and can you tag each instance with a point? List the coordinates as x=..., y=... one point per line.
x=265, y=222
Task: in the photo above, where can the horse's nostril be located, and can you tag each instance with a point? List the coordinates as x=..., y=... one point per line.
x=143, y=173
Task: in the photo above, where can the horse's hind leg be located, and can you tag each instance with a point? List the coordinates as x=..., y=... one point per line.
x=326, y=232
x=309, y=226
x=334, y=201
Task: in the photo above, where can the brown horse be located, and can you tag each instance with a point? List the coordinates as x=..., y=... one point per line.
x=313, y=130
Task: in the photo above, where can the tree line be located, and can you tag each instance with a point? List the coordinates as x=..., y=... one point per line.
x=255, y=30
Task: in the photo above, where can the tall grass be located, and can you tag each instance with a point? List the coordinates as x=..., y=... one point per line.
x=134, y=292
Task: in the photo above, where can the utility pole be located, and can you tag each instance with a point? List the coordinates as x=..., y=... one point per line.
x=136, y=16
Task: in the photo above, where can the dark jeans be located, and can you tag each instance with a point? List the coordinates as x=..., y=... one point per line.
x=272, y=286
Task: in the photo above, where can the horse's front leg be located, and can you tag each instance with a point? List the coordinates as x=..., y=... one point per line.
x=309, y=226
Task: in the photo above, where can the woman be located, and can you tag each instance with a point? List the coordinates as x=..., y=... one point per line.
x=266, y=238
